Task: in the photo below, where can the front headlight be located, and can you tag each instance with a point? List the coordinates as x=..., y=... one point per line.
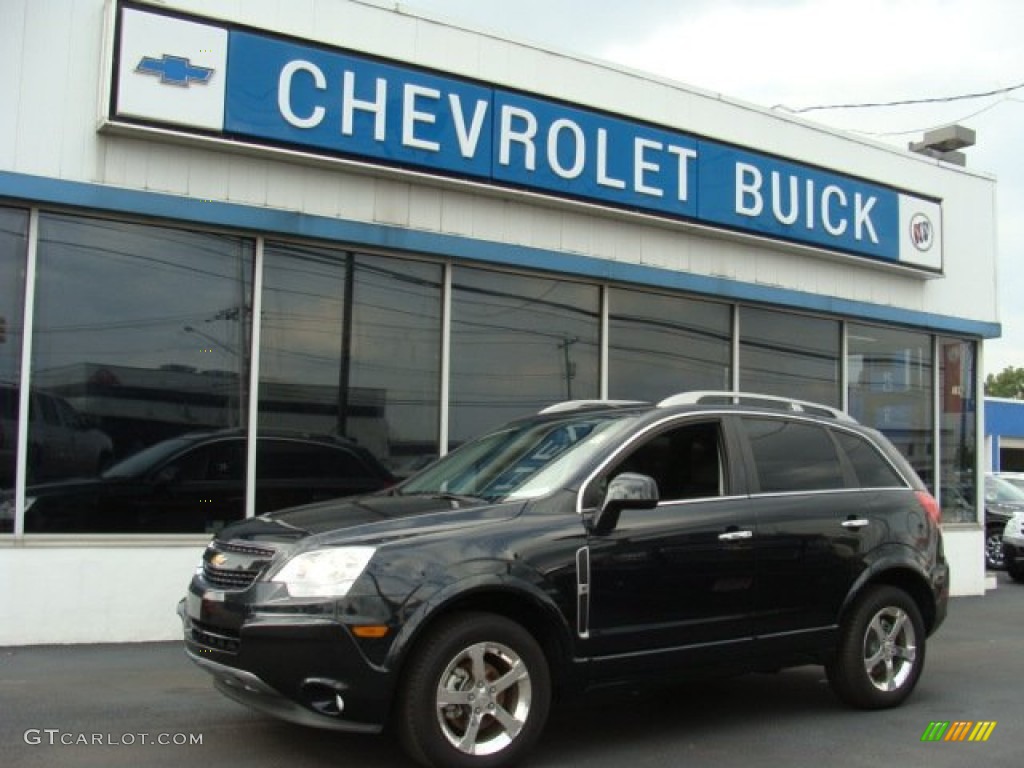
x=324, y=572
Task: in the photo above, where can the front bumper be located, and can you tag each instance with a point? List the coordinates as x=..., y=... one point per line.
x=304, y=669
x=940, y=585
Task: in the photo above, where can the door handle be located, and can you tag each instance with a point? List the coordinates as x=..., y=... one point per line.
x=736, y=536
x=859, y=522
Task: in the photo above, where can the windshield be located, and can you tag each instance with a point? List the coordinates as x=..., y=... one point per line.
x=140, y=463
x=521, y=461
x=998, y=489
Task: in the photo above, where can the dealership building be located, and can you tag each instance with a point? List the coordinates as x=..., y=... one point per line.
x=341, y=218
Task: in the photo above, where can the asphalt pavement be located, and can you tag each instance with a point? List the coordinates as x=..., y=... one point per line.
x=146, y=705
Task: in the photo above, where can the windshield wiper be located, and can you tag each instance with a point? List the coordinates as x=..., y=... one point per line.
x=448, y=496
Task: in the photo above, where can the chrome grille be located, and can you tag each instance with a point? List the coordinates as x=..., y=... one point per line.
x=235, y=564
x=229, y=578
x=243, y=548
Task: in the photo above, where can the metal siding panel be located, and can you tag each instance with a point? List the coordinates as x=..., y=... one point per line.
x=12, y=55
x=247, y=180
x=284, y=189
x=320, y=193
x=356, y=197
x=391, y=203
x=208, y=180
x=42, y=108
x=78, y=146
x=168, y=169
x=425, y=208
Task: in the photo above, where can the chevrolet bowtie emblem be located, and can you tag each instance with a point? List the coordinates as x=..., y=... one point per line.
x=174, y=70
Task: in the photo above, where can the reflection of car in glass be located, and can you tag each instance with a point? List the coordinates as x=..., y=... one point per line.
x=62, y=442
x=8, y=433
x=196, y=482
x=593, y=544
x=1002, y=500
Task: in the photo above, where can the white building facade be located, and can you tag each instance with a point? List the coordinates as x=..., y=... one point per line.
x=340, y=218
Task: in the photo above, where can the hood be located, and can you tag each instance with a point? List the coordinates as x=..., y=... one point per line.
x=71, y=487
x=1003, y=509
x=372, y=517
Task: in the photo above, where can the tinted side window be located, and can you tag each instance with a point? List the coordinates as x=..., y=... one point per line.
x=685, y=462
x=222, y=461
x=290, y=460
x=793, y=456
x=872, y=469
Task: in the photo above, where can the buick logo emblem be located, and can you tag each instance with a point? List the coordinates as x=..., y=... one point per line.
x=922, y=232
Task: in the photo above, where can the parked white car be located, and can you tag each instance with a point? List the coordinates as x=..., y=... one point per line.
x=1013, y=546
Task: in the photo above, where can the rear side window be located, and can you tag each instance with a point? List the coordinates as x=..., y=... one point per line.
x=793, y=456
x=294, y=460
x=873, y=470
x=8, y=403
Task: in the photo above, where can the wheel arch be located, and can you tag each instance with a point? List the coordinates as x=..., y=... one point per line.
x=521, y=603
x=905, y=578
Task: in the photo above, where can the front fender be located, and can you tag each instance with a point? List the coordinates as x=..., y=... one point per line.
x=514, y=592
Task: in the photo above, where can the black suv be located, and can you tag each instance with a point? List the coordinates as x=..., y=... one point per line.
x=595, y=544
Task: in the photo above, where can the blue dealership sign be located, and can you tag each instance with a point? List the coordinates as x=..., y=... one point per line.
x=268, y=91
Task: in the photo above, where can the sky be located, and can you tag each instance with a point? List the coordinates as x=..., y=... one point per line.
x=794, y=54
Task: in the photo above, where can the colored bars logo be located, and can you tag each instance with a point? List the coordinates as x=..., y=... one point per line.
x=958, y=730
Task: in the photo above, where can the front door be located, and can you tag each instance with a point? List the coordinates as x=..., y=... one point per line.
x=675, y=583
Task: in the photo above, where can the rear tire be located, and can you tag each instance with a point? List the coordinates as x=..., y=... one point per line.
x=881, y=650
x=476, y=694
x=994, y=558
x=1016, y=573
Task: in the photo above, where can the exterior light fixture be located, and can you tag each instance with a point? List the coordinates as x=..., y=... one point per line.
x=944, y=143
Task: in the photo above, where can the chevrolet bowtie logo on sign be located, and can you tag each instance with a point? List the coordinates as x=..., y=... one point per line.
x=958, y=730
x=174, y=70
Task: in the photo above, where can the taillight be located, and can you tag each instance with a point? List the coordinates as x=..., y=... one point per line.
x=930, y=505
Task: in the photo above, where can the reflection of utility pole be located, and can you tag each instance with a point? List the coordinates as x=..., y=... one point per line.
x=208, y=337
x=570, y=366
x=241, y=383
x=345, y=362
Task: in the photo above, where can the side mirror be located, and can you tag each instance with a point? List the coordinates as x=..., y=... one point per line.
x=167, y=476
x=626, y=491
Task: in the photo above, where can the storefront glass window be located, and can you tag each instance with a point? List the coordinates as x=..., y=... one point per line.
x=13, y=242
x=662, y=345
x=519, y=344
x=789, y=355
x=350, y=348
x=890, y=373
x=142, y=334
x=958, y=430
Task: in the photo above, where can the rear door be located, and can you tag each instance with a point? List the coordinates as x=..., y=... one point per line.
x=815, y=523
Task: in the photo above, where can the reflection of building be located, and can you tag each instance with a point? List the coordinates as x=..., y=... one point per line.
x=475, y=242
x=140, y=406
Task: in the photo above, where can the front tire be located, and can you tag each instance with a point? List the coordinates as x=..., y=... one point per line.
x=881, y=650
x=1016, y=572
x=476, y=694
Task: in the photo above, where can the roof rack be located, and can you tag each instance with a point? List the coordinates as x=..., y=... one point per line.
x=752, y=398
x=578, y=405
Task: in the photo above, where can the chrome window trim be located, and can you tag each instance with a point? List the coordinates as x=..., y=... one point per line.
x=716, y=413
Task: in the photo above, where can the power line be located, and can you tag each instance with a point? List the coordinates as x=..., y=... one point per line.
x=902, y=103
